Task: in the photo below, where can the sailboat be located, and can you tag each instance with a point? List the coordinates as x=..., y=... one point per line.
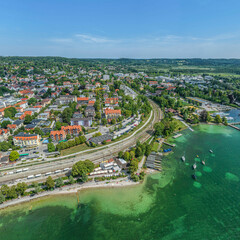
x=183, y=157
x=194, y=166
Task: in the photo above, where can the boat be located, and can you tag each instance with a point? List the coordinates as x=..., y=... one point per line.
x=194, y=177
x=211, y=151
x=183, y=157
x=203, y=162
x=194, y=166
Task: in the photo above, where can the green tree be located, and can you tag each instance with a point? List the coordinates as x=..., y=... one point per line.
x=138, y=152
x=68, y=136
x=59, y=182
x=21, y=188
x=51, y=147
x=82, y=167
x=104, y=121
x=98, y=115
x=12, y=192
x=14, y=155
x=148, y=150
x=84, y=177
x=2, y=198
x=5, y=123
x=77, y=140
x=27, y=119
x=71, y=179
x=113, y=121
x=32, y=101
x=50, y=183
x=134, y=177
x=126, y=156
x=218, y=119
x=120, y=154
x=10, y=112
x=36, y=187
x=67, y=114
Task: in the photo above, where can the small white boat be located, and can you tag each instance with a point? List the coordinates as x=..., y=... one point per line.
x=194, y=166
x=203, y=162
x=183, y=159
x=211, y=151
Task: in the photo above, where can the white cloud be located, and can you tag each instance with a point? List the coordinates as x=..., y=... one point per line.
x=92, y=39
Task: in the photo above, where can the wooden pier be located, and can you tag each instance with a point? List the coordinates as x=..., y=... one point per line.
x=232, y=126
x=154, y=161
x=169, y=144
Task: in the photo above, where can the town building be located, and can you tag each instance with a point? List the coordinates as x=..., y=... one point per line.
x=26, y=140
x=111, y=113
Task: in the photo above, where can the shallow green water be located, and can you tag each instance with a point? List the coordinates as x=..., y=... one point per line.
x=169, y=205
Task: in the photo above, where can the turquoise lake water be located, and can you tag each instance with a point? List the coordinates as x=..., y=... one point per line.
x=168, y=205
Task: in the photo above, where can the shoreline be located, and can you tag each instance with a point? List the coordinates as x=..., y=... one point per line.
x=125, y=182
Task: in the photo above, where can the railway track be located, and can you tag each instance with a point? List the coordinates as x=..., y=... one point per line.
x=96, y=157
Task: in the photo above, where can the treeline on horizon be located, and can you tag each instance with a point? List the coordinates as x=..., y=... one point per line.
x=161, y=65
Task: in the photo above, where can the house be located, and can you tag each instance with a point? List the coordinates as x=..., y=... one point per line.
x=91, y=103
x=86, y=122
x=121, y=163
x=4, y=160
x=82, y=100
x=26, y=140
x=12, y=127
x=100, y=139
x=25, y=114
x=58, y=135
x=111, y=113
x=61, y=134
x=111, y=101
x=66, y=99
x=90, y=111
x=30, y=126
x=4, y=134
x=28, y=93
x=43, y=116
x=19, y=123
x=153, y=83
x=72, y=130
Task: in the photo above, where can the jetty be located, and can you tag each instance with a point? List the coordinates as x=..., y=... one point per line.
x=233, y=126
x=169, y=144
x=154, y=161
x=178, y=135
x=234, y=123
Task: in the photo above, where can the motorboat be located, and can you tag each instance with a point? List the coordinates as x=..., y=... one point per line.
x=194, y=166
x=203, y=162
x=194, y=177
x=211, y=151
x=183, y=158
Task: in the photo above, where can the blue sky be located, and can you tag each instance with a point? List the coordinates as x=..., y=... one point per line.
x=120, y=28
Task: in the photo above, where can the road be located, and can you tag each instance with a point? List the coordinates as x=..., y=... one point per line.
x=101, y=153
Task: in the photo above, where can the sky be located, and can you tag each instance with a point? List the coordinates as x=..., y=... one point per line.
x=120, y=28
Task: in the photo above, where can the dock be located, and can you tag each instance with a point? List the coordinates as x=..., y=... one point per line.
x=234, y=123
x=154, y=161
x=233, y=126
x=178, y=135
x=169, y=144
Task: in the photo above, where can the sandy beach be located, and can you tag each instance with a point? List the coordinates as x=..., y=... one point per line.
x=121, y=182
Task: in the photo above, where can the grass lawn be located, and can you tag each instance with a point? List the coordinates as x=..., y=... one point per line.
x=179, y=124
x=75, y=149
x=155, y=146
